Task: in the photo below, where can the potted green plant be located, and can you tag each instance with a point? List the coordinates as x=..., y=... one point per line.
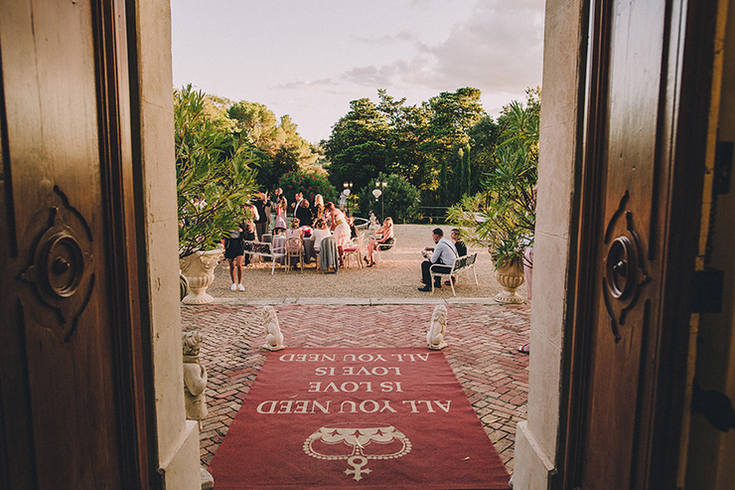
x=214, y=186
x=503, y=215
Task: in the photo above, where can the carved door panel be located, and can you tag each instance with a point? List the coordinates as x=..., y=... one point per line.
x=62, y=378
x=640, y=191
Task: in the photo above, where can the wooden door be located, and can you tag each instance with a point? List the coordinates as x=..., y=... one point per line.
x=648, y=92
x=71, y=399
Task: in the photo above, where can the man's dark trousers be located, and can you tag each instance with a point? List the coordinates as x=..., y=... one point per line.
x=426, y=275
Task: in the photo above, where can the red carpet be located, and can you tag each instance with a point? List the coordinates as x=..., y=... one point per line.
x=357, y=418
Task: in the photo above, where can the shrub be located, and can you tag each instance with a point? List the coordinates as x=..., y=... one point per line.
x=214, y=181
x=309, y=184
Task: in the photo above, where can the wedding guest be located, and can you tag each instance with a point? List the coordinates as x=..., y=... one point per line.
x=280, y=223
x=294, y=232
x=461, y=250
x=340, y=229
x=303, y=213
x=295, y=205
x=319, y=233
x=234, y=251
x=278, y=195
x=248, y=234
x=261, y=220
x=353, y=229
x=384, y=240
x=318, y=207
x=458, y=243
x=443, y=255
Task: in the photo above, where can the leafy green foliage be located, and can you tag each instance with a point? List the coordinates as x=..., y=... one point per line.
x=310, y=184
x=214, y=179
x=503, y=215
x=399, y=199
x=277, y=147
x=356, y=147
x=419, y=142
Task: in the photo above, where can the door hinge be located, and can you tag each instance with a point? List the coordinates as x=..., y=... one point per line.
x=707, y=290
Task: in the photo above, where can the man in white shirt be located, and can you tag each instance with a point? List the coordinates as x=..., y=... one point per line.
x=444, y=254
x=295, y=205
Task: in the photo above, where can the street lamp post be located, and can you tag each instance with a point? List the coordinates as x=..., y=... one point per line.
x=346, y=192
x=378, y=192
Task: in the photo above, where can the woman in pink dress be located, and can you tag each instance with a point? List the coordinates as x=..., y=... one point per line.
x=280, y=221
x=340, y=229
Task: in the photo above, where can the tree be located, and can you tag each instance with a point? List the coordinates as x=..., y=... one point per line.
x=256, y=121
x=399, y=199
x=279, y=146
x=483, y=140
x=213, y=176
x=407, y=151
x=356, y=146
x=503, y=214
x=452, y=116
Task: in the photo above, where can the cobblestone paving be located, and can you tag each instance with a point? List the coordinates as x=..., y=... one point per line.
x=481, y=337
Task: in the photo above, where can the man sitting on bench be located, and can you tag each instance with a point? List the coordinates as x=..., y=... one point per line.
x=444, y=254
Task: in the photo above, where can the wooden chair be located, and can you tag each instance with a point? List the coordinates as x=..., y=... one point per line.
x=294, y=251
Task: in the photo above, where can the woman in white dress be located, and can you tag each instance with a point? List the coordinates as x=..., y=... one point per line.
x=319, y=233
x=340, y=229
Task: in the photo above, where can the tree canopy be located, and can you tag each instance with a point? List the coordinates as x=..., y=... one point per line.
x=428, y=144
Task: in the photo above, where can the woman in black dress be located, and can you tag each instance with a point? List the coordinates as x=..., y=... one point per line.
x=234, y=251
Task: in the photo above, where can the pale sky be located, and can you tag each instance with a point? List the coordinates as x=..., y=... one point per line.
x=310, y=58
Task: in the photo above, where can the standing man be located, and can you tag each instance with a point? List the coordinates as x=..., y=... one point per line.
x=295, y=205
x=261, y=223
x=444, y=254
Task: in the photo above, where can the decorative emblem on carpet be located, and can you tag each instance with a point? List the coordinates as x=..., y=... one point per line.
x=357, y=443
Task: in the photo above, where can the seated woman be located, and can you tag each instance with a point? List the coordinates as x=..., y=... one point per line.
x=319, y=233
x=303, y=213
x=293, y=232
x=385, y=242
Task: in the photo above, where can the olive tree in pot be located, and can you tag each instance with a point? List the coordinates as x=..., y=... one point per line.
x=214, y=186
x=503, y=215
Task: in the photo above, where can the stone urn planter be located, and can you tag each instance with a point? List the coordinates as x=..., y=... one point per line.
x=510, y=277
x=198, y=268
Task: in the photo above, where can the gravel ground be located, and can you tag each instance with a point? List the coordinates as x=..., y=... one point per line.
x=397, y=276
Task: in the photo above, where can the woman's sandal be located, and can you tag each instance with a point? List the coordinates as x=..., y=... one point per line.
x=525, y=348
